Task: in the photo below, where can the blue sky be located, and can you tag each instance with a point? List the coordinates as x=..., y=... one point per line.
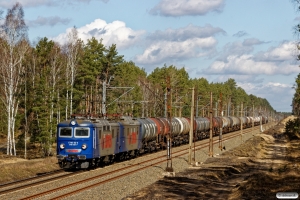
x=251, y=41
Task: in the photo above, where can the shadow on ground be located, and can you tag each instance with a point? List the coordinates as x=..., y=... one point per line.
x=264, y=165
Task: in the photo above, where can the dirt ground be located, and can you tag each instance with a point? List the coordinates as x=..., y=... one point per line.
x=264, y=165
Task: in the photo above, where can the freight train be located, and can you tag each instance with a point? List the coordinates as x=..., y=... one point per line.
x=87, y=141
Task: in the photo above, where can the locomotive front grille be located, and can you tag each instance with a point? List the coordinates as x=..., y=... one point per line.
x=81, y=157
x=75, y=157
x=72, y=156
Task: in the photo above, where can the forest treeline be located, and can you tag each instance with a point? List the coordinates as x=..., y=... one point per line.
x=292, y=126
x=46, y=83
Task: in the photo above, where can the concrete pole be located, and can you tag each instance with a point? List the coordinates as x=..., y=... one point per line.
x=104, y=99
x=210, y=127
x=260, y=121
x=221, y=127
x=216, y=111
x=253, y=119
x=169, y=139
x=241, y=123
x=197, y=109
x=192, y=126
x=165, y=105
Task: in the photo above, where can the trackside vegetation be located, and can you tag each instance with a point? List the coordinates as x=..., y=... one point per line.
x=292, y=126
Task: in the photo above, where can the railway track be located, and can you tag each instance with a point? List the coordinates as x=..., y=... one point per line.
x=131, y=167
x=30, y=179
x=34, y=181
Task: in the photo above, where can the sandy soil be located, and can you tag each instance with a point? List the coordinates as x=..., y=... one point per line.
x=264, y=165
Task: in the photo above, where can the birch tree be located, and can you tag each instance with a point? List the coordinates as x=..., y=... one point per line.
x=72, y=50
x=55, y=68
x=13, y=48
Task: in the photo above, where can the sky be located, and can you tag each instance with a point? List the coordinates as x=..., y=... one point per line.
x=251, y=41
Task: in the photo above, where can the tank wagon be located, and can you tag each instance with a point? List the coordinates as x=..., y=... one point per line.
x=86, y=141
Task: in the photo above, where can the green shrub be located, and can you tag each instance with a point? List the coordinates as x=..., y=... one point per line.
x=292, y=129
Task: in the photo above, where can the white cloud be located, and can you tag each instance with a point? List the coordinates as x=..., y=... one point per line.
x=270, y=87
x=187, y=32
x=285, y=51
x=187, y=7
x=249, y=70
x=47, y=21
x=240, y=34
x=246, y=64
x=29, y=3
x=279, y=60
x=239, y=48
x=173, y=45
x=238, y=78
x=162, y=51
x=252, y=41
x=279, y=95
x=236, y=48
x=36, y=3
x=111, y=33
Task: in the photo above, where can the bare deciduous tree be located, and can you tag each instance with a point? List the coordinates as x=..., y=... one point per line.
x=72, y=49
x=13, y=48
x=56, y=66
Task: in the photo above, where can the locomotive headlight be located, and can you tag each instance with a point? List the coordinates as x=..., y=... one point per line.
x=84, y=146
x=62, y=145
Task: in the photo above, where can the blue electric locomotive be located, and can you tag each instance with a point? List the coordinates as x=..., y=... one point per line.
x=76, y=143
x=86, y=142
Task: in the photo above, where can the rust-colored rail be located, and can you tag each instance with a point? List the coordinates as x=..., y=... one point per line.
x=35, y=183
x=31, y=178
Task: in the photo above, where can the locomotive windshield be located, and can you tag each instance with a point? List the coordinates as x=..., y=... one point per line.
x=81, y=132
x=65, y=132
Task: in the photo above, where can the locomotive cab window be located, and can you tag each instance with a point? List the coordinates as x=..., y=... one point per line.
x=65, y=132
x=81, y=132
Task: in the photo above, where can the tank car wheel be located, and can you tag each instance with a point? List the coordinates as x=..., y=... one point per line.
x=137, y=153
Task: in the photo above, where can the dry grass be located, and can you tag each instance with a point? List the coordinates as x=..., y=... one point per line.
x=12, y=169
